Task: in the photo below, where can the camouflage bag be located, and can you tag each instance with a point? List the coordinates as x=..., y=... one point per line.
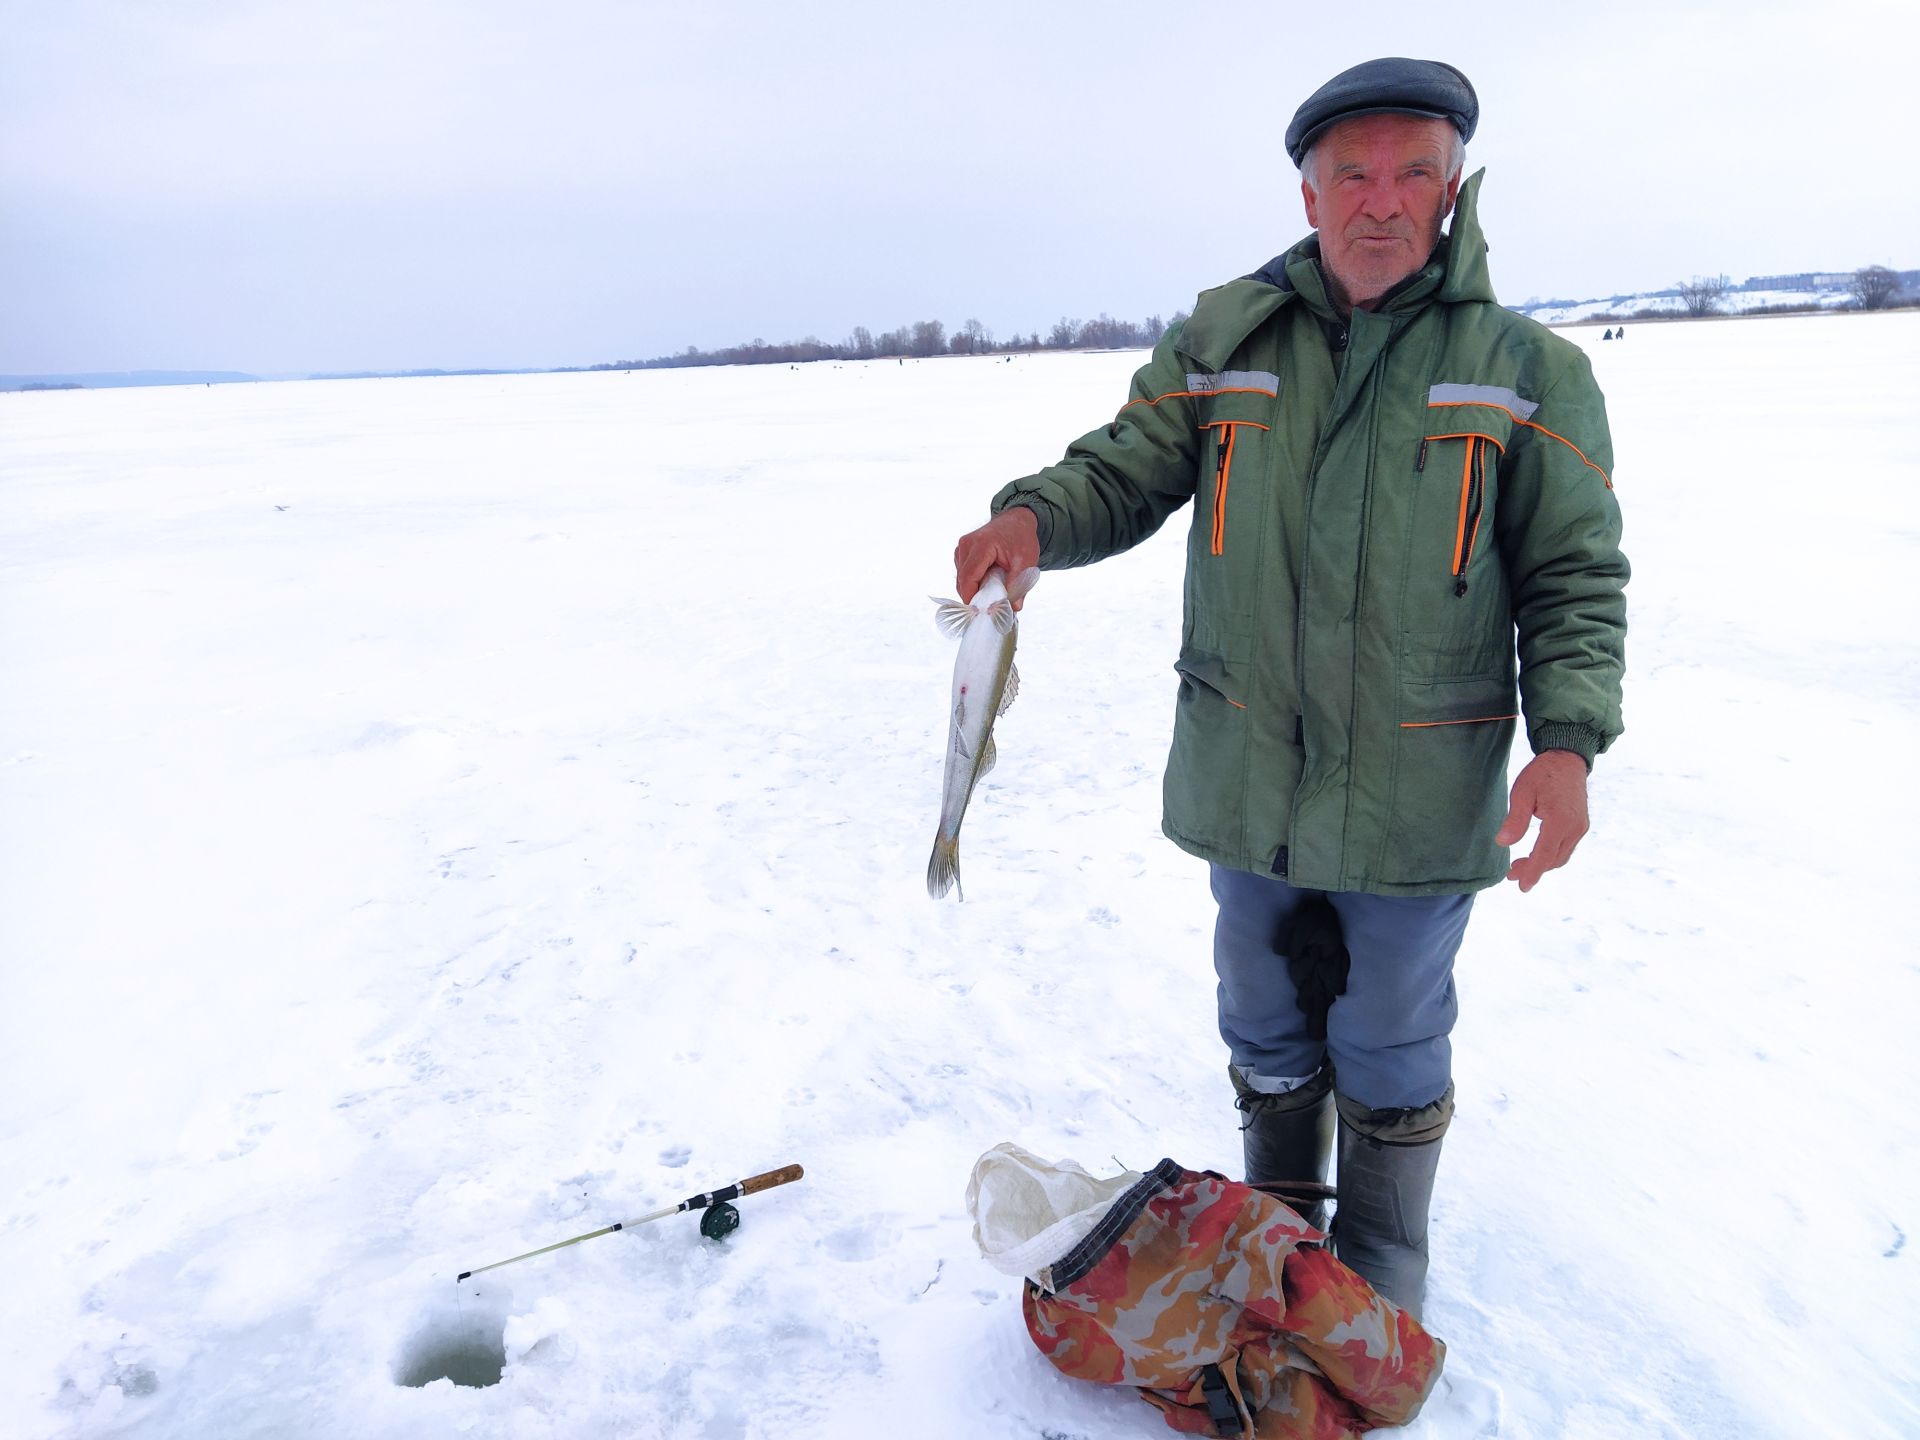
x=1219, y=1303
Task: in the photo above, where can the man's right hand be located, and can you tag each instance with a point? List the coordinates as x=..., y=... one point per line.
x=1011, y=540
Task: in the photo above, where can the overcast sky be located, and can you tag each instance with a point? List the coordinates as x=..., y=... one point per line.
x=348, y=184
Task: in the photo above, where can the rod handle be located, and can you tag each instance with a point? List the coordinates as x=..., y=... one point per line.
x=785, y=1175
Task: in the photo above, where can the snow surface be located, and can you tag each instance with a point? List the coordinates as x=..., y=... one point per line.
x=443, y=816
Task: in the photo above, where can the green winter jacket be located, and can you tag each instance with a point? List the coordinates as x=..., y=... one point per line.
x=1381, y=505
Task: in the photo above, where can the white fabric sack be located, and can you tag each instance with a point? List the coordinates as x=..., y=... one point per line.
x=1028, y=1213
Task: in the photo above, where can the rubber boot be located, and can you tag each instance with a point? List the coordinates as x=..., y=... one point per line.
x=1288, y=1136
x=1388, y=1159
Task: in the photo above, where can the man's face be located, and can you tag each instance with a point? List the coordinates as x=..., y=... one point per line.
x=1377, y=189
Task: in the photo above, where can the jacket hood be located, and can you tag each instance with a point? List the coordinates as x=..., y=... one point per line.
x=1467, y=276
x=1227, y=314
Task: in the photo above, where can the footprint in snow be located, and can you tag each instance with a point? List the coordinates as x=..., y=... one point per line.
x=1461, y=1401
x=137, y=1380
x=245, y=1144
x=862, y=1240
x=674, y=1156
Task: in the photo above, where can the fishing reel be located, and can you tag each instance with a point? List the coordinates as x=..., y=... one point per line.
x=719, y=1221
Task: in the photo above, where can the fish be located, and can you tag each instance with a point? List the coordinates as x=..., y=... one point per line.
x=984, y=685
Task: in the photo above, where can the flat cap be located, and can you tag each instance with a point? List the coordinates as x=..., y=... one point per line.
x=1389, y=86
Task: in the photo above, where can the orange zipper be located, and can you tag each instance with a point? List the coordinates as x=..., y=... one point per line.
x=1466, y=487
x=1473, y=499
x=1437, y=724
x=1473, y=495
x=1222, y=473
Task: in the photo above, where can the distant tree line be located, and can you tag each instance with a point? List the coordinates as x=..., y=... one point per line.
x=1872, y=287
x=921, y=340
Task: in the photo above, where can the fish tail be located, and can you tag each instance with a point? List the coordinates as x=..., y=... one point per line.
x=943, y=870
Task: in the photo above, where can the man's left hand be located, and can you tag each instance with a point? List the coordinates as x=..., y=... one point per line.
x=1553, y=786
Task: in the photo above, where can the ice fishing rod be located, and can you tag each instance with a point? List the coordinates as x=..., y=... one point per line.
x=721, y=1212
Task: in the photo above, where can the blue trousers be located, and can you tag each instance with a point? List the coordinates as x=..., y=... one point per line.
x=1387, y=1035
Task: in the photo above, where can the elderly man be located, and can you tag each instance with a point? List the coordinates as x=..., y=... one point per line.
x=1393, y=479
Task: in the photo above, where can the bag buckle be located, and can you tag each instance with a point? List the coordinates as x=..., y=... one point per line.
x=1222, y=1408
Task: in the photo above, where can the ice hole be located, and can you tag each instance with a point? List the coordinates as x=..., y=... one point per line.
x=461, y=1338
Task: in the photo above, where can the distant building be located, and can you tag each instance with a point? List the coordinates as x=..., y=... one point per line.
x=1810, y=280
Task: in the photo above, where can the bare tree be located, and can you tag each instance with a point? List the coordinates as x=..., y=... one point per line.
x=861, y=346
x=972, y=338
x=929, y=337
x=1702, y=294
x=1873, y=287
x=1063, y=332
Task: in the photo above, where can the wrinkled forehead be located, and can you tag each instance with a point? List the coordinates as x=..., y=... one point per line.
x=1358, y=138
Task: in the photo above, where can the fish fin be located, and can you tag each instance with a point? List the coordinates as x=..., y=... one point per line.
x=1020, y=584
x=951, y=616
x=989, y=753
x=1001, y=612
x=1013, y=689
x=943, y=870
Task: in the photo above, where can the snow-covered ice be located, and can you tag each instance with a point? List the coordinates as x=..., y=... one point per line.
x=439, y=817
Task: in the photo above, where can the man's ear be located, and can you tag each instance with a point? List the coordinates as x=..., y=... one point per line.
x=1453, y=191
x=1313, y=203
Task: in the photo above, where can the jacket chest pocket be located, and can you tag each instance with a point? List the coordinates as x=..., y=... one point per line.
x=1235, y=424
x=1457, y=523
x=1217, y=478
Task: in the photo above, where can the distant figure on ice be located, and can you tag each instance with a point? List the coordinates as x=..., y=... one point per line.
x=1394, y=482
x=1621, y=333
x=1607, y=336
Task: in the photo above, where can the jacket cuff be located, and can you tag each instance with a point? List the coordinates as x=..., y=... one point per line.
x=1031, y=499
x=1582, y=740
